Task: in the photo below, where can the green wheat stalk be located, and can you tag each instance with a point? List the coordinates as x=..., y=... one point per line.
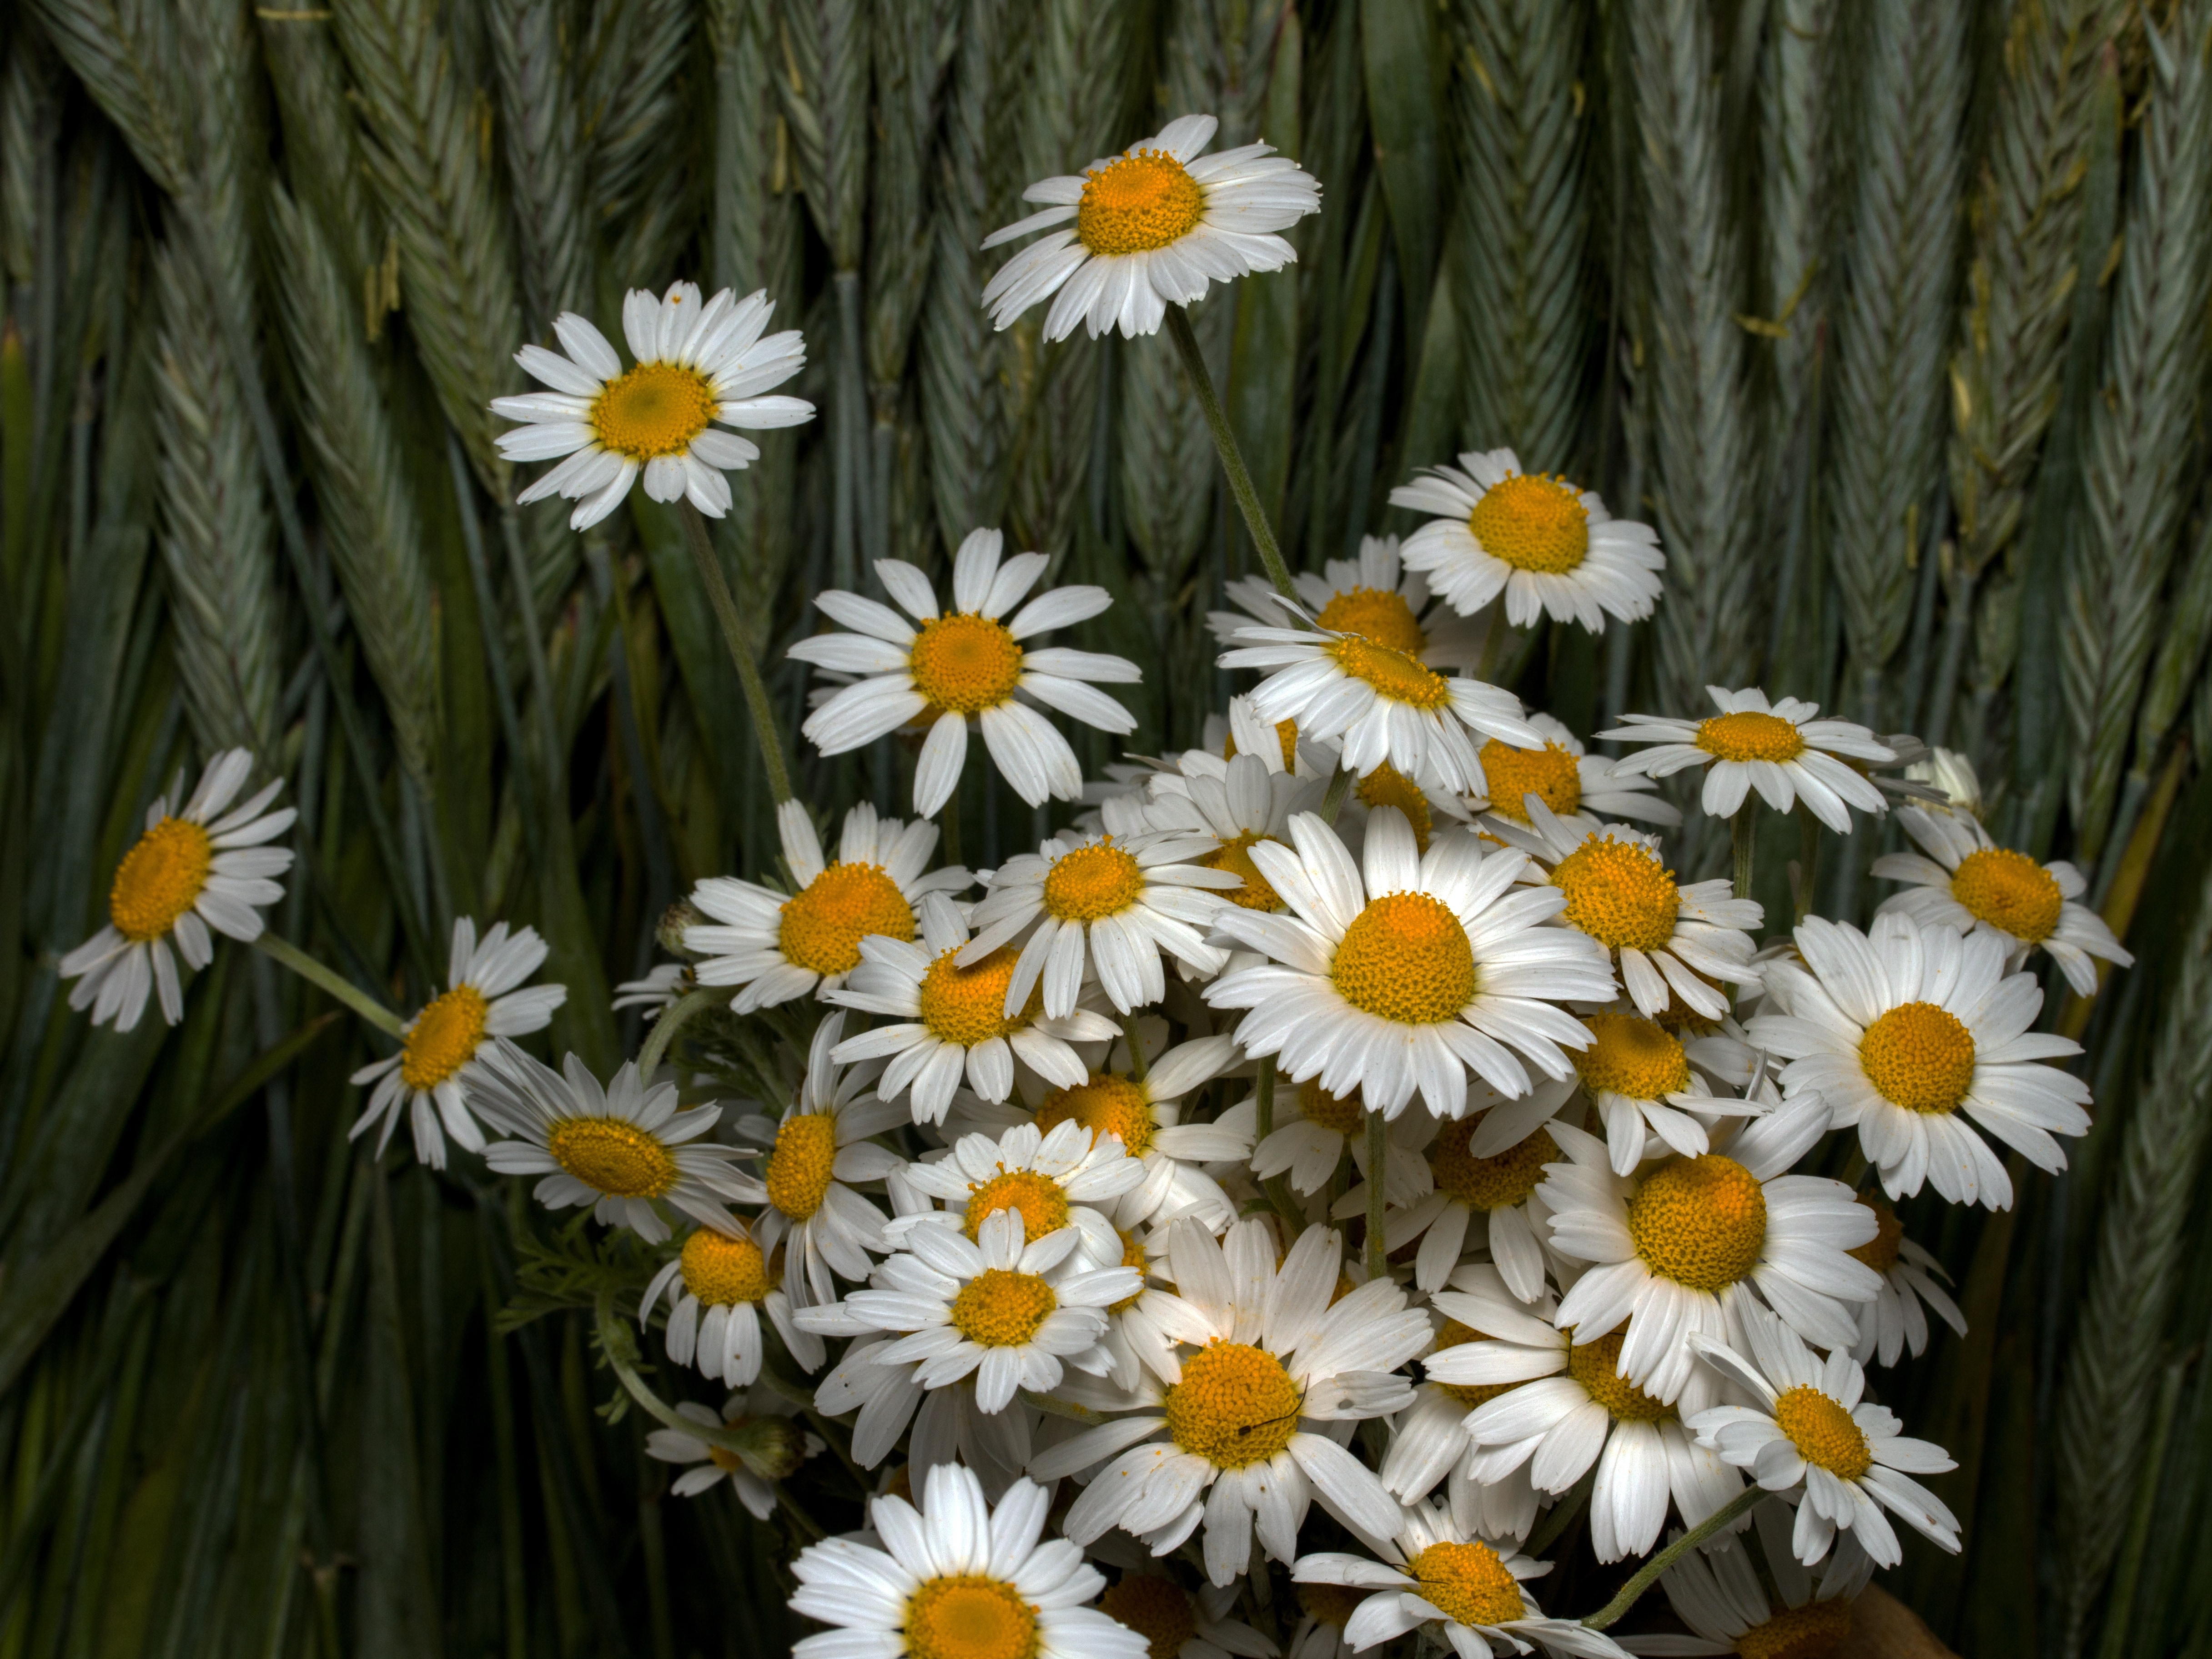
x=322, y=154
x=634, y=94
x=544, y=167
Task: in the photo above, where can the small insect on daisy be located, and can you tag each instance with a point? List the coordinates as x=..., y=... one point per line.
x=435, y=1070
x=1369, y=596
x=1782, y=750
x=696, y=364
x=773, y=1447
x=197, y=868
x=1778, y=1610
x=1893, y=1321
x=1574, y=784
x=967, y=664
x=734, y=1281
x=1550, y=548
x=957, y=1579
x=1154, y=226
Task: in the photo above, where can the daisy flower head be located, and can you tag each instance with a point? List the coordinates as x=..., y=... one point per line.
x=1571, y=782
x=1962, y=878
x=431, y=1076
x=775, y=1446
x=1951, y=774
x=1486, y=1197
x=664, y=985
x=949, y=1019
x=718, y=1286
x=776, y=946
x=1153, y=227
x=624, y=1150
x=695, y=365
x=1726, y=1600
x=1182, y=1624
x=1909, y=1031
x=1315, y=1129
x=1552, y=549
x=1235, y=804
x=1399, y=972
x=1061, y=1177
x=1372, y=596
x=1893, y=1322
x=945, y=668
x=1782, y=750
x=1654, y=1093
x=1811, y=1427
x=195, y=867
x=1247, y=1418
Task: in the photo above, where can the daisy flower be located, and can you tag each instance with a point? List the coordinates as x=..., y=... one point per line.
x=957, y=1579
x=1812, y=1427
x=1429, y=1445
x=1314, y=1130
x=1780, y=749
x=432, y=1074
x=777, y=946
x=202, y=868
x=1489, y=1196
x=780, y=1445
x=618, y=1149
x=1727, y=1601
x=735, y=1280
x=1154, y=226
x=1892, y=1321
x=1065, y=1176
x=664, y=985
x=1952, y=776
x=1180, y=1624
x=1552, y=549
x=949, y=1018
x=695, y=365
x=1909, y=1031
x=1369, y=596
x=1236, y=804
x=1107, y=903
x=1560, y=1408
x=1572, y=782
x=1651, y=1091
x=967, y=664
x=1966, y=881
x=1674, y=1250
x=1401, y=975
x=1279, y=1357
x=1464, y=1590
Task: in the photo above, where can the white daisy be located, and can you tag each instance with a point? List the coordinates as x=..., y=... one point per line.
x=1315, y=1129
x=1653, y=1093
x=1068, y=1177
x=695, y=364
x=1968, y=882
x=1153, y=227
x=199, y=869
x=957, y=1579
x=1781, y=1608
x=664, y=985
x=1952, y=776
x=1892, y=1321
x=1812, y=1426
x=1369, y=595
x=1402, y=976
x=1567, y=779
x=967, y=664
x=1906, y=1029
x=776, y=945
x=1180, y=1624
x=622, y=1149
x=773, y=1442
x=436, y=1067
x=1550, y=548
x=1236, y=804
x=1781, y=750
x=1487, y=1196
x=951, y=1018
x=735, y=1280
x=1279, y=1356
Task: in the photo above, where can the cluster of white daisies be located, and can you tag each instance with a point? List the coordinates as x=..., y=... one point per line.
x=1353, y=1111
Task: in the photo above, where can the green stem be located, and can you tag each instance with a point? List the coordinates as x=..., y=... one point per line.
x=621, y=1349
x=1743, y=841
x=1562, y=1516
x=1263, y=1125
x=1648, y=1574
x=948, y=823
x=1232, y=457
x=1493, y=643
x=1340, y=785
x=671, y=1021
x=741, y=654
x=344, y=990
x=1138, y=1068
x=1808, y=863
x=1378, y=1258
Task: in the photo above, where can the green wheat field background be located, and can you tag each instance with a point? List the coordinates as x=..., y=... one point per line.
x=1891, y=315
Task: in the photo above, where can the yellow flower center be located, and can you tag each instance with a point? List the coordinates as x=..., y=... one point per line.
x=1138, y=202
x=1386, y=785
x=823, y=925
x=1098, y=880
x=1469, y=1394
x=1395, y=677
x=1158, y=1609
x=1633, y=1056
x=1039, y=1198
x=1132, y=1255
x=1700, y=1222
x=1552, y=775
x=1619, y=892
x=1405, y=958
x=1920, y=1056
x=1533, y=521
x=1468, y=1583
x=964, y=664
x=443, y=1038
x=967, y=1005
x=1597, y=1365
x=1286, y=734
x=1331, y=1604
x=611, y=1156
x=721, y=1270
x=1106, y=1105
x=970, y=1617
x=1678, y=1016
x=2010, y=890
x=1750, y=736
x=800, y=1167
x=1235, y=1405
x=1345, y=1115
x=160, y=878
x=1236, y=857
x=1001, y=1309
x=1488, y=1183
x=1823, y=1432
x=656, y=409
x=1380, y=614
x=1811, y=1631
x=1881, y=1252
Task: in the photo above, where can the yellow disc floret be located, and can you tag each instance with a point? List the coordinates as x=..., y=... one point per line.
x=800, y=1168
x=1881, y=1252
x=160, y=878
x=1135, y=203
x=1395, y=677
x=1468, y=1583
x=1812, y=1630
x=1105, y=1105
x=1620, y=893
x=1344, y=1113
x=964, y=664
x=1488, y=1183
x=1380, y=614
x=1132, y=1255
x=654, y=410
x=1386, y=785
x=443, y=1038
x=1405, y=958
x=1043, y=1205
x=1236, y=857
x=1552, y=775
x=1533, y=521
x=1920, y=1056
x=1699, y=1221
x=1597, y=1365
x=612, y=1155
x=998, y=1309
x=967, y=1006
x=970, y=1617
x=1235, y=1405
x=1823, y=1432
x=823, y=925
x=1093, y=882
x=720, y=1269
x=1286, y=738
x=1158, y=1609
x=2010, y=890
x=1750, y=736
x=1633, y=1056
